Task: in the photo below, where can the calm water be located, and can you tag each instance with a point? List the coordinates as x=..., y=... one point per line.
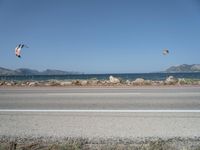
x=129, y=76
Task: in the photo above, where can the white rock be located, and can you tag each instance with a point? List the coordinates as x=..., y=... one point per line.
x=147, y=82
x=54, y=82
x=114, y=80
x=8, y=83
x=103, y=82
x=65, y=83
x=171, y=80
x=138, y=81
x=128, y=82
x=47, y=84
x=161, y=82
x=32, y=84
x=83, y=82
x=93, y=82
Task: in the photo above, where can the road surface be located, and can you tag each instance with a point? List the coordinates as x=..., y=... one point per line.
x=100, y=112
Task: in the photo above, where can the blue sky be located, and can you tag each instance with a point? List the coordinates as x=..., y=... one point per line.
x=100, y=36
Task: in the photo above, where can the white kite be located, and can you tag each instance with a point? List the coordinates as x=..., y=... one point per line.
x=18, y=49
x=165, y=51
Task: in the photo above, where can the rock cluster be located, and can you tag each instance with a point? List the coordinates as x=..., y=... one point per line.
x=171, y=80
x=112, y=81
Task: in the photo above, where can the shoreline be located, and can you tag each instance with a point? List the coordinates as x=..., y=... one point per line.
x=111, y=82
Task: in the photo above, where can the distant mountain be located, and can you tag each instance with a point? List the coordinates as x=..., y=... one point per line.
x=4, y=71
x=26, y=71
x=57, y=72
x=184, y=68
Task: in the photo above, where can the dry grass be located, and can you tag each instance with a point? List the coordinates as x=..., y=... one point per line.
x=82, y=144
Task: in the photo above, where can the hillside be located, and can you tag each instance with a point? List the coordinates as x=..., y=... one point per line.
x=184, y=68
x=5, y=71
x=26, y=71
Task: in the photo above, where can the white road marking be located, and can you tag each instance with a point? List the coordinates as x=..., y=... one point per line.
x=99, y=111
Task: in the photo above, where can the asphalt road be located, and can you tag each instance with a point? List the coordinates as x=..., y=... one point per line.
x=34, y=112
x=90, y=99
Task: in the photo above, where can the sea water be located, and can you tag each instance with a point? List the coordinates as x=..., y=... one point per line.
x=124, y=76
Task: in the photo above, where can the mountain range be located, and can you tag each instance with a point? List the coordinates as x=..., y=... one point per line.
x=26, y=71
x=183, y=68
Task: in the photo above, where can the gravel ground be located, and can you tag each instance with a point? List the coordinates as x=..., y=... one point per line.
x=50, y=143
